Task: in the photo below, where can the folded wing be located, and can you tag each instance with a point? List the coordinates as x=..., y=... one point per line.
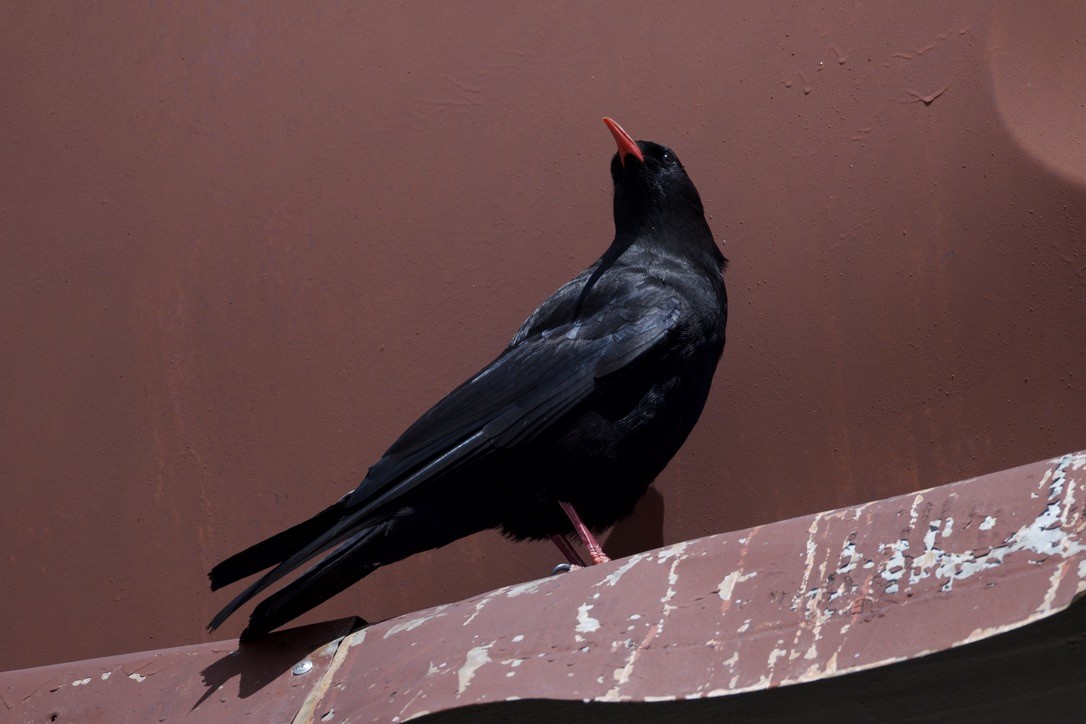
x=529, y=387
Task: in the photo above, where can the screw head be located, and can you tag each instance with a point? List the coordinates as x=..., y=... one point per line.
x=302, y=667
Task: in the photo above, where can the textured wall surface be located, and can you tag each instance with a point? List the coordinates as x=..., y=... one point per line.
x=243, y=247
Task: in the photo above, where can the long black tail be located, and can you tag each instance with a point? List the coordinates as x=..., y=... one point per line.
x=389, y=539
x=296, y=549
x=346, y=565
x=276, y=549
x=361, y=548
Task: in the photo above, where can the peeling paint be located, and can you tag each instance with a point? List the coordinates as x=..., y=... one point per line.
x=522, y=589
x=775, y=654
x=614, y=577
x=894, y=567
x=585, y=623
x=476, y=658
x=341, y=647
x=359, y=636
x=728, y=584
x=1054, y=582
x=622, y=675
x=850, y=557
x=671, y=551
x=479, y=606
x=1045, y=535
x=828, y=594
x=675, y=552
x=411, y=625
x=809, y=561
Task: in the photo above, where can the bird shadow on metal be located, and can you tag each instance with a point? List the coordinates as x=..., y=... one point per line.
x=260, y=662
x=642, y=531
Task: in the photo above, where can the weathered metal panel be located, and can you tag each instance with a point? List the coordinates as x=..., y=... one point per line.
x=786, y=603
x=204, y=682
x=790, y=602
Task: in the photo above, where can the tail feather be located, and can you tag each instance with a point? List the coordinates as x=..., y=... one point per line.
x=345, y=566
x=405, y=532
x=345, y=529
x=363, y=543
x=274, y=550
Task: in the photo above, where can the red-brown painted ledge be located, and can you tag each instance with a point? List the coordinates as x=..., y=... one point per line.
x=715, y=619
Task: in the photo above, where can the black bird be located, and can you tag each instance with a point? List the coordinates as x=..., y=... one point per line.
x=561, y=434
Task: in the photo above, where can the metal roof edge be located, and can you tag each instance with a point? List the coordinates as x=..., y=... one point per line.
x=792, y=602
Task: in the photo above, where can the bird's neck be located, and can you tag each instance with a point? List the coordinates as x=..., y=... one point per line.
x=684, y=236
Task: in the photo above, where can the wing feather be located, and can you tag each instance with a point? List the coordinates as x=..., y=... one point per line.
x=531, y=385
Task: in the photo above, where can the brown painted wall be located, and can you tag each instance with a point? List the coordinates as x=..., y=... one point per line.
x=244, y=246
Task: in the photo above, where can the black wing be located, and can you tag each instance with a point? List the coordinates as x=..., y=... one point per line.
x=531, y=385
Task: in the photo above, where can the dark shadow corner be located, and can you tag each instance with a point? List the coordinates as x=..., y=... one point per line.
x=642, y=531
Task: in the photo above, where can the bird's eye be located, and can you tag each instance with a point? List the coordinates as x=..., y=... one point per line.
x=667, y=158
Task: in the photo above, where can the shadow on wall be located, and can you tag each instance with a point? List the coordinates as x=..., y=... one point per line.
x=642, y=531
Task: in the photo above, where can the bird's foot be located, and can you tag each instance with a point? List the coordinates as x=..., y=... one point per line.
x=565, y=568
x=595, y=550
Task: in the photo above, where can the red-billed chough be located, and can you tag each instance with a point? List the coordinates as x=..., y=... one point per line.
x=561, y=434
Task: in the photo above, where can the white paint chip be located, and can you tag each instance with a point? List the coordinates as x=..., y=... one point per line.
x=671, y=551
x=727, y=586
x=476, y=658
x=1046, y=535
x=521, y=589
x=612, y=578
x=585, y=623
x=410, y=625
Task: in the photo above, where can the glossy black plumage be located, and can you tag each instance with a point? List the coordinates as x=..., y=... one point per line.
x=593, y=396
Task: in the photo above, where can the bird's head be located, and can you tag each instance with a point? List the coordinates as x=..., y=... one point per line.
x=649, y=181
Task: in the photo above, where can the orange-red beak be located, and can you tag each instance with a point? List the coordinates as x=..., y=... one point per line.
x=626, y=145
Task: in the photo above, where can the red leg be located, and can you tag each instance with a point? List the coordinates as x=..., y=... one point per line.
x=567, y=550
x=594, y=548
